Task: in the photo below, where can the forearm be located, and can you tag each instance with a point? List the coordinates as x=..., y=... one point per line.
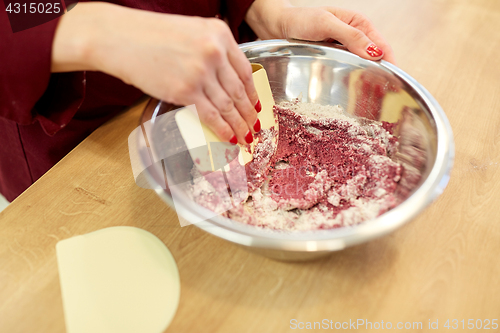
x=279, y=19
x=73, y=38
x=87, y=31
x=179, y=59
x=264, y=17
x=90, y=33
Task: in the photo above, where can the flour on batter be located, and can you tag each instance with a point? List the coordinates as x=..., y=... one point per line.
x=327, y=170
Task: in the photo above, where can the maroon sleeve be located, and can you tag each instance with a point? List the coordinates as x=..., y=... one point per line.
x=234, y=11
x=25, y=74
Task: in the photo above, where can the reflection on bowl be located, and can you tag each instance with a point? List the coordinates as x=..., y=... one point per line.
x=326, y=75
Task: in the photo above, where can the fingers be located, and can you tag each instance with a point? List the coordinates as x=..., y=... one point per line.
x=209, y=114
x=236, y=90
x=357, y=33
x=354, y=39
x=231, y=90
x=238, y=120
x=243, y=69
x=383, y=45
x=360, y=22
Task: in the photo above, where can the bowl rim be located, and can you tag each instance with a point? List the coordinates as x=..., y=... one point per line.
x=338, y=238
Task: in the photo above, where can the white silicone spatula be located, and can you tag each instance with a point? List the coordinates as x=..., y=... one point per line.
x=196, y=134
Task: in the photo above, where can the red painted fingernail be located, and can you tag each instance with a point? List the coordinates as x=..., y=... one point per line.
x=233, y=140
x=256, y=126
x=374, y=51
x=258, y=106
x=249, y=137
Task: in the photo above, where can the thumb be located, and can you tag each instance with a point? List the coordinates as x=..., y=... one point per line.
x=356, y=41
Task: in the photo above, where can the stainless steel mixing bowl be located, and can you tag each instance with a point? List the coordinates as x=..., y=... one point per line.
x=325, y=74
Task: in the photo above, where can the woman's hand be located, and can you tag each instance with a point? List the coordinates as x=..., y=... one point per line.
x=178, y=59
x=278, y=19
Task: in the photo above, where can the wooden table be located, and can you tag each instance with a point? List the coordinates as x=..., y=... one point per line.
x=443, y=265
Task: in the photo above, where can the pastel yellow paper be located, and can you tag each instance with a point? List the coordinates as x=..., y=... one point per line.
x=118, y=279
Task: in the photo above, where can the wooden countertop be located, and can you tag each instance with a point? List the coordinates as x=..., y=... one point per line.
x=443, y=265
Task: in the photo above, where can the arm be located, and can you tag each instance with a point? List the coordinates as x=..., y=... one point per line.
x=179, y=59
x=279, y=19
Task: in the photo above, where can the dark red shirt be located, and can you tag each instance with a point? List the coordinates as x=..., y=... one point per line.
x=43, y=116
